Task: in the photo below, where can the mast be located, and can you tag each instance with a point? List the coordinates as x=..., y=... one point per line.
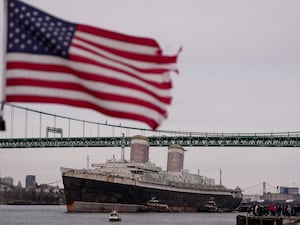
x=220, y=177
x=123, y=148
x=88, y=162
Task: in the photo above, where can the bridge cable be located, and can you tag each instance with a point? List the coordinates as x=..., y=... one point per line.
x=187, y=133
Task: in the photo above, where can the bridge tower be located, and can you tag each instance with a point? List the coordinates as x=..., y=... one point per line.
x=264, y=187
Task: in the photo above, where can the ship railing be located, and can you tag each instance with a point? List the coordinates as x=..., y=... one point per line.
x=200, y=187
x=187, y=186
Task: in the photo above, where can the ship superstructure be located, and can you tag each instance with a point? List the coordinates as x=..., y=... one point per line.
x=140, y=185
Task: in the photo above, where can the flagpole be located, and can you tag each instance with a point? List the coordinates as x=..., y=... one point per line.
x=5, y=7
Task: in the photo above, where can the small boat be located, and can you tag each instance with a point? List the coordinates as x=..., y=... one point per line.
x=114, y=216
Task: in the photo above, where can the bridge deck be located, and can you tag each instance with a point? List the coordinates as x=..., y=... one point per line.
x=221, y=140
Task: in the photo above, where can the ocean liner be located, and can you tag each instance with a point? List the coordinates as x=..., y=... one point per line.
x=139, y=185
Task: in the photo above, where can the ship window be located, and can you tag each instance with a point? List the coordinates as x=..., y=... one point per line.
x=137, y=172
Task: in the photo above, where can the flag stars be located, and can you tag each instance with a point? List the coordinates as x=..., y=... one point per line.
x=33, y=31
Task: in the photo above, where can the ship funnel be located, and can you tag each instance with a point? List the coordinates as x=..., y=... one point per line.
x=175, y=158
x=139, y=149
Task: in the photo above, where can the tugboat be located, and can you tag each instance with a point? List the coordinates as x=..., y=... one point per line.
x=211, y=206
x=114, y=216
x=155, y=205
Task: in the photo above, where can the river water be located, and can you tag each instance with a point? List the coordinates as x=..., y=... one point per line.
x=57, y=215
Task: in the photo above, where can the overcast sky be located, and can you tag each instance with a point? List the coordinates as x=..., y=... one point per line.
x=239, y=72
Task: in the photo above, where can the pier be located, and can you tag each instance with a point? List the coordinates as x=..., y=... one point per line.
x=267, y=220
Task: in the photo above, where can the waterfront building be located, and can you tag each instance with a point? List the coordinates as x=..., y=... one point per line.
x=7, y=180
x=289, y=190
x=30, y=181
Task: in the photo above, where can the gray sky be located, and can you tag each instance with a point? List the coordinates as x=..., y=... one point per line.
x=239, y=72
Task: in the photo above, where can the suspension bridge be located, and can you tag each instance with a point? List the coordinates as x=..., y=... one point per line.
x=52, y=130
x=261, y=188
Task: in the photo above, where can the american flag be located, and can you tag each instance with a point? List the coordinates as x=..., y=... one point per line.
x=50, y=60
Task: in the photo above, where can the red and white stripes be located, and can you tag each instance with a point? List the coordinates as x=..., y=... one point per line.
x=116, y=74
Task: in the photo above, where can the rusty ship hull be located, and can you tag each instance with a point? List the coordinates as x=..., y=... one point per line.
x=97, y=193
x=139, y=185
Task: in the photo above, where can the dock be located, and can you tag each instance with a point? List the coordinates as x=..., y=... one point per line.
x=267, y=220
